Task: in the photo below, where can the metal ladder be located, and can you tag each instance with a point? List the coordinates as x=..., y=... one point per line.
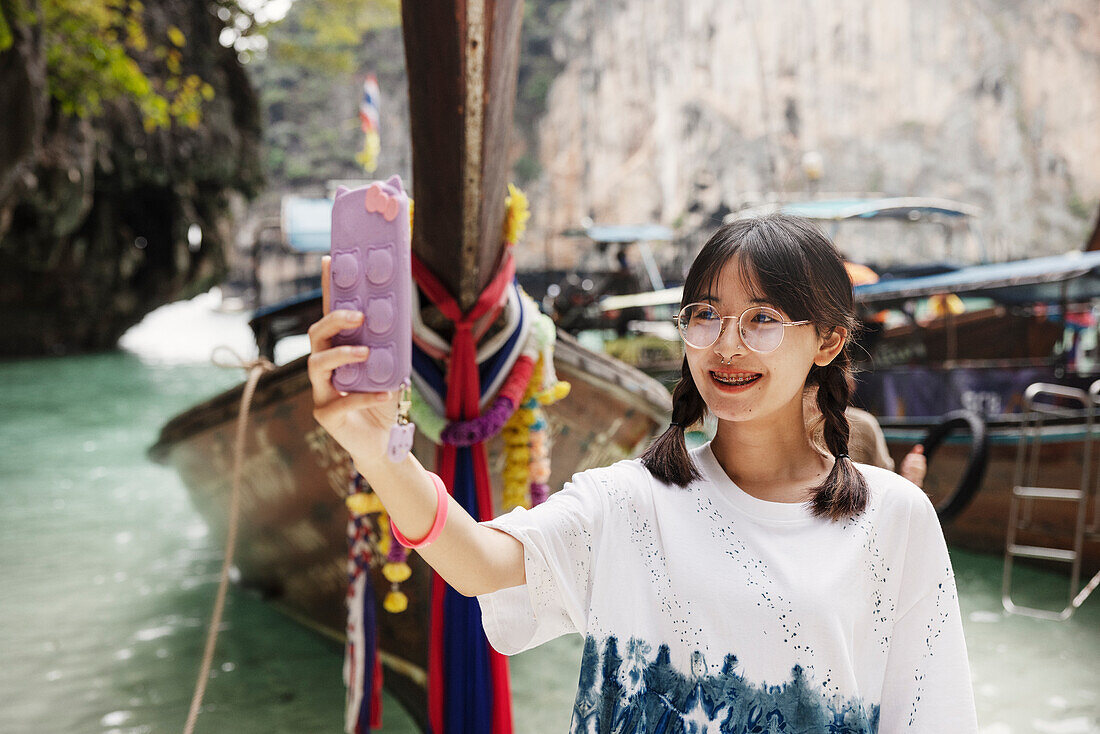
x=1025, y=493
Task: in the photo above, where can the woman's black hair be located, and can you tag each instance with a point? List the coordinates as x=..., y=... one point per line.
x=800, y=272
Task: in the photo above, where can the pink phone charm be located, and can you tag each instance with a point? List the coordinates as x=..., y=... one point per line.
x=401, y=440
x=371, y=273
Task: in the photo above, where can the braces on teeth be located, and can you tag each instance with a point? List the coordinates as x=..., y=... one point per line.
x=734, y=380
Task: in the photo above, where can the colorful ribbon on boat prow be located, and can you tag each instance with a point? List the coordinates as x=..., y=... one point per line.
x=468, y=687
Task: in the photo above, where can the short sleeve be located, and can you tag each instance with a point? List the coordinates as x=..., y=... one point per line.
x=559, y=544
x=927, y=686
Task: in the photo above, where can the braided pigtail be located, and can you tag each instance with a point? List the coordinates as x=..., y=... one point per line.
x=844, y=492
x=667, y=457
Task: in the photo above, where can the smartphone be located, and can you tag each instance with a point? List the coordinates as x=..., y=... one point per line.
x=371, y=272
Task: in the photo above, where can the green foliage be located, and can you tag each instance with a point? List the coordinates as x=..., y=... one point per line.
x=93, y=48
x=332, y=33
x=11, y=11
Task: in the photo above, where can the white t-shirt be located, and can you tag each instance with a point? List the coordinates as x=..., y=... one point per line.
x=705, y=609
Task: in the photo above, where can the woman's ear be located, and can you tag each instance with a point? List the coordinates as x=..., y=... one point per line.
x=831, y=346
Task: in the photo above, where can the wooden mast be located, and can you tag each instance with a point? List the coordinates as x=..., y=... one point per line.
x=463, y=61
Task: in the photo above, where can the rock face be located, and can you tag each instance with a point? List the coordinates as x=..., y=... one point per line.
x=676, y=112
x=23, y=89
x=95, y=214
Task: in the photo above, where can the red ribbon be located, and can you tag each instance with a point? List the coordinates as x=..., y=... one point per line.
x=463, y=397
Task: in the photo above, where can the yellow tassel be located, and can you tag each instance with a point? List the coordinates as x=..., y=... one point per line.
x=395, y=602
x=516, y=215
x=363, y=503
x=516, y=496
x=382, y=539
x=555, y=393
x=396, y=572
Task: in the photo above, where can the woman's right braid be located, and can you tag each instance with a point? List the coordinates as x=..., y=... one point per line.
x=688, y=406
x=667, y=457
x=833, y=393
x=844, y=492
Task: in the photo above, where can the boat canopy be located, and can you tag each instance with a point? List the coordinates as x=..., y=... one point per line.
x=627, y=233
x=662, y=297
x=912, y=208
x=1074, y=276
x=306, y=223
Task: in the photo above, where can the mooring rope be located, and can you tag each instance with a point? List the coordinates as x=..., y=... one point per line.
x=255, y=368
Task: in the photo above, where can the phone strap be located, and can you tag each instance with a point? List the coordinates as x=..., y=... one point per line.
x=401, y=435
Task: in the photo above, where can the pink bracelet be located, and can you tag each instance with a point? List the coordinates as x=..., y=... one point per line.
x=442, y=499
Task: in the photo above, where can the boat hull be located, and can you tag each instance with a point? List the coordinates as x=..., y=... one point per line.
x=292, y=536
x=983, y=524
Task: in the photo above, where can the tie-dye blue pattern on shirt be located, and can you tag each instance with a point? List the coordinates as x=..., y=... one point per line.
x=634, y=690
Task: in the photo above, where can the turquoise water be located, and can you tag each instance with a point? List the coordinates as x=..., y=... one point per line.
x=109, y=575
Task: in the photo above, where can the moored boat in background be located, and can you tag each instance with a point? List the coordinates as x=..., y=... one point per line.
x=1012, y=325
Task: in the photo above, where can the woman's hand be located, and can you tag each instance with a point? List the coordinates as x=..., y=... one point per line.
x=360, y=422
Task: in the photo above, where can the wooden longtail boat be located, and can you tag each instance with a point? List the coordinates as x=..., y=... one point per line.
x=462, y=65
x=1032, y=321
x=292, y=543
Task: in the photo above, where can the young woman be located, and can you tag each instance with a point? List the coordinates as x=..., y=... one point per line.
x=754, y=584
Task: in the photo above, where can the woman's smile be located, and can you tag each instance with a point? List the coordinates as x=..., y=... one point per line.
x=736, y=381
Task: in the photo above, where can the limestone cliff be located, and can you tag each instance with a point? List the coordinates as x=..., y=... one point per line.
x=676, y=112
x=95, y=213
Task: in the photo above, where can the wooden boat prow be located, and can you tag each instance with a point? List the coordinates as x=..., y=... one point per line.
x=292, y=545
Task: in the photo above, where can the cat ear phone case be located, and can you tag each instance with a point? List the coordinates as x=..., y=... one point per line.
x=371, y=272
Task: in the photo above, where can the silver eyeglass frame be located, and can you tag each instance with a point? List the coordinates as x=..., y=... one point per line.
x=740, y=329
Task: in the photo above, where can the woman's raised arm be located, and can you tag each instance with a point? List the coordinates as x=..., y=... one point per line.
x=470, y=557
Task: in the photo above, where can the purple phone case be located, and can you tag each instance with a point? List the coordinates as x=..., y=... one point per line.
x=371, y=272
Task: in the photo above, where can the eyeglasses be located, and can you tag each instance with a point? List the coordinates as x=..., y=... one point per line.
x=761, y=328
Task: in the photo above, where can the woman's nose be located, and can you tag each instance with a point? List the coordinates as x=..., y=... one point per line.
x=729, y=339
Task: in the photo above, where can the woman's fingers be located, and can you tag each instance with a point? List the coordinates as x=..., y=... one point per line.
x=347, y=403
x=323, y=359
x=323, y=363
x=331, y=324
